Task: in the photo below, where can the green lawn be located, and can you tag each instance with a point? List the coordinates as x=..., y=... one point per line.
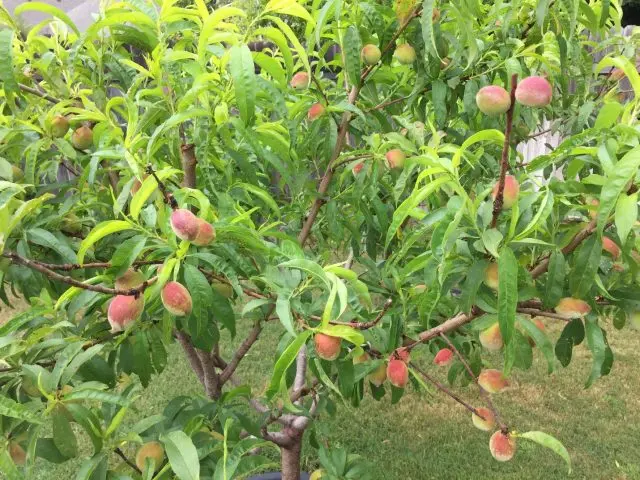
x=430, y=437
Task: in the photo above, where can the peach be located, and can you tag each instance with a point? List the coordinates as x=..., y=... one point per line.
x=176, y=299
x=610, y=246
x=82, y=138
x=572, y=307
x=405, y=54
x=327, y=346
x=491, y=276
x=435, y=16
x=593, y=203
x=317, y=475
x=493, y=100
x=123, y=311
x=59, y=126
x=403, y=354
x=206, y=233
x=16, y=173
x=444, y=357
x=617, y=74
x=357, y=168
x=395, y=158
x=152, y=451
x=510, y=192
x=316, y=111
x=223, y=288
x=300, y=81
x=534, y=92
x=184, y=224
x=502, y=446
x=364, y=358
x=491, y=338
x=378, y=376
x=397, y=372
x=486, y=422
x=493, y=381
x=129, y=279
x=418, y=289
x=370, y=54
x=17, y=453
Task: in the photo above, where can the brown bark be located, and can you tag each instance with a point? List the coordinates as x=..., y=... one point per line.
x=189, y=164
x=290, y=457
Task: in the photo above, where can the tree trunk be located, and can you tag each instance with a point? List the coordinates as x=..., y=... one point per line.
x=290, y=459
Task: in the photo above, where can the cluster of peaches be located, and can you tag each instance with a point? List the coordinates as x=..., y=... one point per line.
x=126, y=309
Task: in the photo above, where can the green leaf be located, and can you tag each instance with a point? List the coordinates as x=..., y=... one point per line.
x=261, y=194
x=541, y=341
x=126, y=253
x=491, y=239
x=572, y=334
x=350, y=334
x=283, y=310
x=475, y=278
x=554, y=285
x=100, y=231
x=9, y=83
x=63, y=436
x=244, y=81
x=12, y=409
x=63, y=360
x=89, y=466
x=507, y=293
x=293, y=39
x=182, y=454
x=288, y=7
x=493, y=136
x=202, y=300
x=173, y=121
x=284, y=362
x=550, y=442
x=223, y=311
x=149, y=185
x=541, y=12
x=209, y=26
x=585, y=267
x=351, y=48
x=50, y=9
x=624, y=170
x=8, y=468
x=626, y=214
x=47, y=239
x=427, y=27
x=310, y=267
x=597, y=345
x=542, y=213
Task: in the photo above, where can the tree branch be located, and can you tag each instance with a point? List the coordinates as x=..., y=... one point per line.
x=191, y=354
x=188, y=155
x=121, y=454
x=38, y=93
x=372, y=323
x=242, y=350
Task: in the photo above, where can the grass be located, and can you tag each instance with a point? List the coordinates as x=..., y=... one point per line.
x=428, y=436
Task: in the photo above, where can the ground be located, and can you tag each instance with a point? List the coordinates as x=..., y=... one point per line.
x=428, y=436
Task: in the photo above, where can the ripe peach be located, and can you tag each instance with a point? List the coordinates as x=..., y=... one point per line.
x=327, y=347
x=184, y=224
x=487, y=423
x=502, y=446
x=493, y=381
x=300, y=80
x=444, y=357
x=59, y=126
x=357, y=168
x=405, y=54
x=17, y=453
x=610, y=246
x=510, y=192
x=491, y=338
x=572, y=307
x=123, y=311
x=82, y=138
x=403, y=354
x=493, y=100
x=176, y=299
x=534, y=92
x=129, y=279
x=378, y=376
x=397, y=372
x=316, y=111
x=153, y=451
x=370, y=54
x=395, y=158
x=491, y=276
x=206, y=233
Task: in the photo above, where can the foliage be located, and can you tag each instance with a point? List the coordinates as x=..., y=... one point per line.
x=312, y=227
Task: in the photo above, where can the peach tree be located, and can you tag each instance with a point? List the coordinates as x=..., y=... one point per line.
x=187, y=173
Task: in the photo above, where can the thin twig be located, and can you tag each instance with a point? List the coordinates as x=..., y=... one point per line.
x=38, y=93
x=121, y=454
x=388, y=103
x=542, y=313
x=370, y=324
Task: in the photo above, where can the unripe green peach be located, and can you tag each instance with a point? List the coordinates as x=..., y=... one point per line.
x=491, y=338
x=71, y=223
x=493, y=381
x=300, y=81
x=510, y=192
x=405, y=54
x=397, y=372
x=610, y=246
x=493, y=100
x=315, y=112
x=123, y=311
x=82, y=138
x=129, y=279
x=395, y=158
x=572, y=307
x=153, y=451
x=534, y=92
x=491, y=276
x=502, y=446
x=17, y=174
x=184, y=224
x=59, y=126
x=370, y=54
x=176, y=299
x=223, y=288
x=378, y=376
x=206, y=233
x=17, y=453
x=485, y=423
x=444, y=357
x=327, y=346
